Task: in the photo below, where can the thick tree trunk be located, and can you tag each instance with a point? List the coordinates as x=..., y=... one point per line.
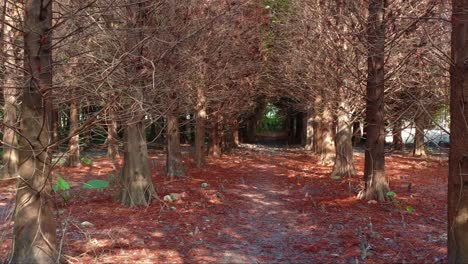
x=34, y=236
x=200, y=128
x=137, y=188
x=309, y=127
x=344, y=161
x=418, y=146
x=73, y=159
x=112, y=137
x=397, y=138
x=318, y=107
x=174, y=165
x=458, y=160
x=376, y=184
x=328, y=143
x=10, y=96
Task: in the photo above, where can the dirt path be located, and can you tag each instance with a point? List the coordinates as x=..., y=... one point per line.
x=268, y=223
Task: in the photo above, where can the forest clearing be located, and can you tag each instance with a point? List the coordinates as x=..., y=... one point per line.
x=260, y=205
x=233, y=131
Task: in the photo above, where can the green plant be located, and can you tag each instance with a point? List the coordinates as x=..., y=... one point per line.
x=62, y=187
x=95, y=184
x=86, y=160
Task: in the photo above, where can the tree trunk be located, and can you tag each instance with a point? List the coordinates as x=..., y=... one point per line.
x=200, y=128
x=376, y=184
x=418, y=147
x=344, y=160
x=73, y=159
x=10, y=96
x=318, y=124
x=137, y=187
x=357, y=133
x=235, y=133
x=215, y=149
x=397, y=138
x=112, y=137
x=458, y=159
x=174, y=165
x=309, y=126
x=327, y=156
x=34, y=236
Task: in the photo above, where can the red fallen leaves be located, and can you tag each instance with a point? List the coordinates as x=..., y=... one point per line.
x=273, y=208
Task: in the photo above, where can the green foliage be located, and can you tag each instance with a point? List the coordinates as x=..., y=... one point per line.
x=409, y=209
x=86, y=160
x=272, y=120
x=95, y=184
x=61, y=185
x=391, y=194
x=204, y=185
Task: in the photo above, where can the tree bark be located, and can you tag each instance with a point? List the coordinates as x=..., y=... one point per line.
x=215, y=149
x=418, y=146
x=344, y=160
x=34, y=237
x=309, y=126
x=458, y=159
x=112, y=137
x=318, y=124
x=137, y=187
x=376, y=184
x=327, y=155
x=174, y=165
x=10, y=96
x=397, y=138
x=73, y=159
x=200, y=128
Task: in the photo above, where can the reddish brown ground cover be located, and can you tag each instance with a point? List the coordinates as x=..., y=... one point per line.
x=260, y=206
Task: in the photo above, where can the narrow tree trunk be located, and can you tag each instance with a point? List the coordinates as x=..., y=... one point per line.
x=137, y=187
x=174, y=165
x=397, y=138
x=10, y=96
x=235, y=134
x=200, y=128
x=309, y=126
x=112, y=137
x=34, y=236
x=458, y=159
x=73, y=159
x=376, y=184
x=344, y=161
x=215, y=149
x=318, y=142
x=357, y=133
x=328, y=143
x=418, y=147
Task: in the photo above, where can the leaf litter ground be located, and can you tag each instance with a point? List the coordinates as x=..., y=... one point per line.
x=257, y=205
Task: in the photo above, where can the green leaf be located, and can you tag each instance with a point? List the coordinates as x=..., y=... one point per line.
x=86, y=160
x=96, y=184
x=61, y=185
x=410, y=209
x=204, y=185
x=391, y=194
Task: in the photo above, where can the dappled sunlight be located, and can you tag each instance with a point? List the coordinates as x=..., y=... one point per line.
x=250, y=206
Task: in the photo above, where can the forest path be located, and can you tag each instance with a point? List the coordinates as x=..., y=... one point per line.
x=266, y=221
